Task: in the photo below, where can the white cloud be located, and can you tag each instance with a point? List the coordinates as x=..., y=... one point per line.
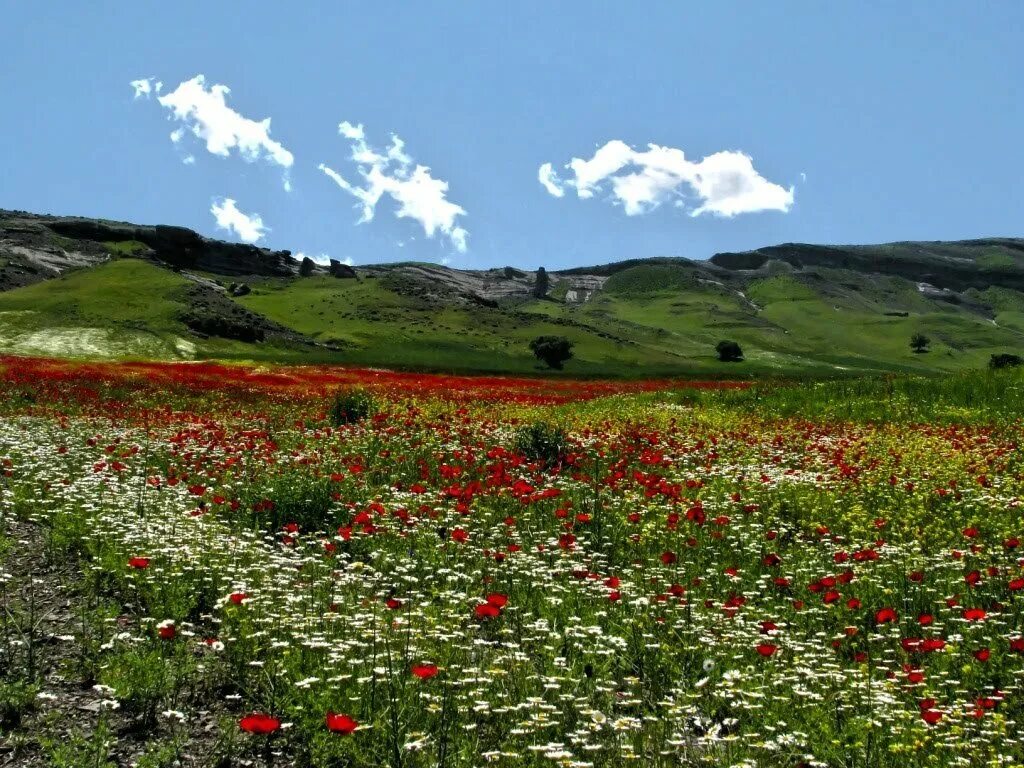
x=204, y=112
x=145, y=87
x=417, y=193
x=546, y=175
x=248, y=227
x=724, y=184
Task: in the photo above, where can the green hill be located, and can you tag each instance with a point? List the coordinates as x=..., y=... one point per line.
x=88, y=288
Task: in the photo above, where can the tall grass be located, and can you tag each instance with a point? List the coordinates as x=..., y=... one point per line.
x=969, y=397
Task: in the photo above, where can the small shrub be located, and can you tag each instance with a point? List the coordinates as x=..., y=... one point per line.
x=1005, y=360
x=79, y=750
x=729, y=351
x=919, y=343
x=542, y=442
x=16, y=700
x=553, y=350
x=351, y=406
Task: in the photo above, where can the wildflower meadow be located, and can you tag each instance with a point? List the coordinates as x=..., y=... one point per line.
x=216, y=565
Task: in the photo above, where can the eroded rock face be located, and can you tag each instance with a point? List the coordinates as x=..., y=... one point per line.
x=337, y=269
x=487, y=287
x=176, y=246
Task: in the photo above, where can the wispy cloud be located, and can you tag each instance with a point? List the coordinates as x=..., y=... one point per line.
x=418, y=195
x=723, y=184
x=248, y=227
x=146, y=87
x=203, y=111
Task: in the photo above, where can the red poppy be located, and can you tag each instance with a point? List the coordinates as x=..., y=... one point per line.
x=393, y=603
x=259, y=723
x=424, y=671
x=497, y=599
x=668, y=558
x=982, y=654
x=931, y=716
x=767, y=649
x=237, y=597
x=485, y=611
x=167, y=632
x=139, y=562
x=459, y=535
x=974, y=614
x=885, y=616
x=342, y=724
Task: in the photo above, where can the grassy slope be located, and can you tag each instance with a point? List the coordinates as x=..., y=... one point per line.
x=827, y=322
x=125, y=308
x=649, y=321
x=386, y=328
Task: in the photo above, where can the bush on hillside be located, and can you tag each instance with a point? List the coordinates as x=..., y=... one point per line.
x=1005, y=360
x=553, y=350
x=729, y=351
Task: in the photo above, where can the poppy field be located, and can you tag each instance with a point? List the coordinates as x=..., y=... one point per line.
x=206, y=565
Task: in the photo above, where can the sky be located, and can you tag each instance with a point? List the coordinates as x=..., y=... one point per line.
x=529, y=133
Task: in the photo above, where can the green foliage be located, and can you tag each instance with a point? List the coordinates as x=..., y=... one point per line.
x=543, y=442
x=729, y=351
x=162, y=754
x=127, y=248
x=919, y=342
x=969, y=397
x=554, y=351
x=147, y=679
x=17, y=699
x=1005, y=360
x=650, y=278
x=81, y=750
x=351, y=406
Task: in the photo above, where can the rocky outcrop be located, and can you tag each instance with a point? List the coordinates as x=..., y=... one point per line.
x=337, y=269
x=178, y=247
x=211, y=313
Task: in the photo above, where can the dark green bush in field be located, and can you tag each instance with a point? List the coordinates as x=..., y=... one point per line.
x=350, y=406
x=1005, y=360
x=553, y=350
x=919, y=342
x=542, y=442
x=729, y=351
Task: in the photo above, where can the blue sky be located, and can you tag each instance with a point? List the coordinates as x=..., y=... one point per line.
x=863, y=122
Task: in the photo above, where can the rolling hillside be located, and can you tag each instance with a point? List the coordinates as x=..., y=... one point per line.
x=90, y=288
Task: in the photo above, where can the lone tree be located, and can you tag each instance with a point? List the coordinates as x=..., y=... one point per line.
x=919, y=343
x=729, y=351
x=540, y=287
x=553, y=350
